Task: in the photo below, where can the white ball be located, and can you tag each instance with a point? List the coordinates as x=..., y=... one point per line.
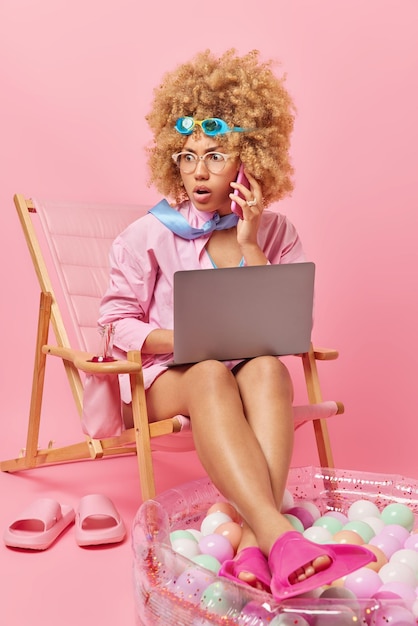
x=408, y=557
x=376, y=523
x=361, y=509
x=186, y=547
x=311, y=507
x=398, y=572
x=318, y=534
x=211, y=522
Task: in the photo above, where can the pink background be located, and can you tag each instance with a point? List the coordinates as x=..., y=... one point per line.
x=76, y=82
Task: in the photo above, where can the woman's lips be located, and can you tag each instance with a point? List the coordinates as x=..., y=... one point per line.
x=201, y=194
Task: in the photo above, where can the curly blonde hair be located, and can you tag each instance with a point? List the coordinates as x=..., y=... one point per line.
x=243, y=92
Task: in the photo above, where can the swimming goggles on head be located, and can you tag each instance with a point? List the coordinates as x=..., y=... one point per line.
x=211, y=126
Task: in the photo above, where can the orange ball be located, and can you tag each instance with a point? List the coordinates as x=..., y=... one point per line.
x=348, y=536
x=381, y=558
x=231, y=531
x=225, y=507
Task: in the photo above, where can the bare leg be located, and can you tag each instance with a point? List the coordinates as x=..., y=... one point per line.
x=243, y=433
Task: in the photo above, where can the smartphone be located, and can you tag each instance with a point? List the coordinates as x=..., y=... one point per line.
x=241, y=178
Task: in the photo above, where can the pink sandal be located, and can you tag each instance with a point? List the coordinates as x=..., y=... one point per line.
x=292, y=551
x=250, y=560
x=39, y=525
x=98, y=522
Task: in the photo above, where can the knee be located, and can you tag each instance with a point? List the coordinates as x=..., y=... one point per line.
x=269, y=369
x=210, y=374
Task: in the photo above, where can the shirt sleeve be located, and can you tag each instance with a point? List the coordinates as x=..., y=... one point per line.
x=280, y=240
x=127, y=299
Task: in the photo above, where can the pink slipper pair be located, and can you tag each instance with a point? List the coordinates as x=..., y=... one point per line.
x=96, y=522
x=290, y=552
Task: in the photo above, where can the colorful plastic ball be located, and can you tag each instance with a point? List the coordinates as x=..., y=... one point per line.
x=330, y=523
x=397, y=513
x=254, y=613
x=396, y=530
x=411, y=542
x=216, y=545
x=212, y=521
x=221, y=599
x=365, y=531
x=392, y=615
x=191, y=584
x=364, y=582
x=346, y=597
x=181, y=534
x=338, y=593
x=396, y=590
x=361, y=509
x=409, y=557
x=318, y=534
x=186, y=547
x=311, y=507
x=208, y=562
x=376, y=523
x=387, y=543
x=232, y=531
x=348, y=536
x=339, y=515
x=398, y=571
x=294, y=521
x=304, y=516
x=227, y=508
x=381, y=558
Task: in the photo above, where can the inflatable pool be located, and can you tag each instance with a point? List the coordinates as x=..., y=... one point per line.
x=171, y=589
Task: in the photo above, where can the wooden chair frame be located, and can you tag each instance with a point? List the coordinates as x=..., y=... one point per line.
x=136, y=440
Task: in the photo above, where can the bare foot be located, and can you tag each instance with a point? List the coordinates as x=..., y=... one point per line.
x=310, y=569
x=252, y=580
x=317, y=565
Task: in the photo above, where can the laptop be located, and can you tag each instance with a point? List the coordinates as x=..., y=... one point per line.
x=242, y=312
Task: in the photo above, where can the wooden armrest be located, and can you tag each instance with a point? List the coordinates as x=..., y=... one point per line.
x=325, y=354
x=83, y=362
x=321, y=354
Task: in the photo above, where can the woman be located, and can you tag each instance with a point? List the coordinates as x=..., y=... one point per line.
x=208, y=117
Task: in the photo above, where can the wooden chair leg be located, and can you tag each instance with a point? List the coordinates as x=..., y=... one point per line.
x=323, y=443
x=32, y=441
x=142, y=433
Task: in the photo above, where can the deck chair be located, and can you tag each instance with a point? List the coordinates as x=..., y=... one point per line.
x=69, y=246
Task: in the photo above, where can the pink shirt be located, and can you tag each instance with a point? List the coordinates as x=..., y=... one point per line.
x=143, y=259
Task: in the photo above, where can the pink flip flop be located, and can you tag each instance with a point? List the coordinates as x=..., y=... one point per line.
x=248, y=560
x=98, y=522
x=292, y=551
x=39, y=525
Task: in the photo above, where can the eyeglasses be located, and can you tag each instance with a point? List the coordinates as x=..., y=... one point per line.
x=211, y=126
x=187, y=161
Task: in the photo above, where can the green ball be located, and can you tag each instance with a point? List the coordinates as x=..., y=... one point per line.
x=217, y=598
x=332, y=524
x=208, y=562
x=363, y=529
x=400, y=514
x=181, y=534
x=295, y=521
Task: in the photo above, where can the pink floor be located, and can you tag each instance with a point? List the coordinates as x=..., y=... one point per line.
x=67, y=585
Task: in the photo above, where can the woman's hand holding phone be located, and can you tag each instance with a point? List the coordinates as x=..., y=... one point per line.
x=243, y=180
x=247, y=227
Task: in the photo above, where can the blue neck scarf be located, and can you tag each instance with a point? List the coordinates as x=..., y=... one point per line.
x=175, y=221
